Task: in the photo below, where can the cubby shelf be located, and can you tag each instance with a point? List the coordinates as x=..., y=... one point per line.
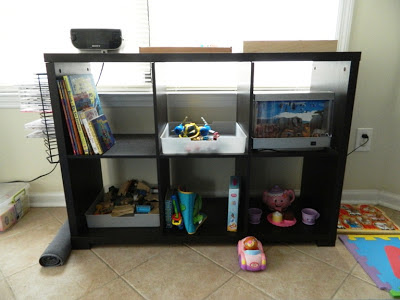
x=322, y=171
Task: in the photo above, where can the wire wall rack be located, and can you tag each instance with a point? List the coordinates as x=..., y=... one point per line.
x=36, y=98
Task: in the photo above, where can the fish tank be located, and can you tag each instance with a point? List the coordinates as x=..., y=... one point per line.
x=292, y=120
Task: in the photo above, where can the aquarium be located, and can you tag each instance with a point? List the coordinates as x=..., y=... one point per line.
x=294, y=120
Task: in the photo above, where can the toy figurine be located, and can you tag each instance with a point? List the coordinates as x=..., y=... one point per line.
x=278, y=199
x=194, y=132
x=180, y=128
x=250, y=243
x=251, y=254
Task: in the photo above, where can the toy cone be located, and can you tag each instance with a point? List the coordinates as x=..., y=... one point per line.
x=190, y=208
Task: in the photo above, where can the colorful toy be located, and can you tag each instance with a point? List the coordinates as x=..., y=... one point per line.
x=180, y=128
x=176, y=217
x=190, y=205
x=233, y=203
x=193, y=131
x=278, y=199
x=251, y=254
x=379, y=256
x=250, y=243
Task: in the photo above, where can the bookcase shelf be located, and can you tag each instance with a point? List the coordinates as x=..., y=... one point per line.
x=322, y=171
x=128, y=146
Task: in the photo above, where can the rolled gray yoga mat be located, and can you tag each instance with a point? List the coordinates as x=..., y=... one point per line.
x=56, y=254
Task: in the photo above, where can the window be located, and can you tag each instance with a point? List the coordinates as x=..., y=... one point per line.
x=31, y=28
x=43, y=27
x=227, y=23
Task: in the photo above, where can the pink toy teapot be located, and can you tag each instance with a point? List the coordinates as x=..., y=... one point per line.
x=278, y=199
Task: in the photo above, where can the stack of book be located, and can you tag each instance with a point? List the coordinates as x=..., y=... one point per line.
x=88, y=127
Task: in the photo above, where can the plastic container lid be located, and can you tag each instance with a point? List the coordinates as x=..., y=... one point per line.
x=9, y=190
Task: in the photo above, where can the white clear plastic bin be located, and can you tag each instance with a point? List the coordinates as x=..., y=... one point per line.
x=14, y=203
x=232, y=139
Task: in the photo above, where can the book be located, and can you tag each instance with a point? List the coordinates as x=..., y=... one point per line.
x=168, y=209
x=103, y=132
x=71, y=125
x=86, y=115
x=83, y=86
x=75, y=114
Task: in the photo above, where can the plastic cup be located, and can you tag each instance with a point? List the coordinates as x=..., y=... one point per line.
x=309, y=216
x=255, y=215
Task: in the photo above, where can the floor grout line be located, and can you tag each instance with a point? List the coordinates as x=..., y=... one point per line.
x=256, y=287
x=106, y=263
x=321, y=260
x=133, y=288
x=343, y=281
x=232, y=275
x=119, y=276
x=210, y=259
x=11, y=289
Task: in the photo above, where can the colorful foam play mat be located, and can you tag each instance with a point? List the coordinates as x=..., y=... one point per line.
x=365, y=219
x=379, y=256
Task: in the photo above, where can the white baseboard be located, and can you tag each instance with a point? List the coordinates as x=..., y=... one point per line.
x=373, y=197
x=390, y=200
x=47, y=200
x=361, y=196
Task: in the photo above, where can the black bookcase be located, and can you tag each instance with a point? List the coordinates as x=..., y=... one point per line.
x=322, y=172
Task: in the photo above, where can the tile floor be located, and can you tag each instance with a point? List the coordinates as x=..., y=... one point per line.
x=173, y=272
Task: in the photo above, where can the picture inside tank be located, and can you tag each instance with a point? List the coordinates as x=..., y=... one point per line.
x=285, y=119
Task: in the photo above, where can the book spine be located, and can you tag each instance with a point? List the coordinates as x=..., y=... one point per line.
x=95, y=138
x=76, y=116
x=89, y=134
x=72, y=120
x=67, y=120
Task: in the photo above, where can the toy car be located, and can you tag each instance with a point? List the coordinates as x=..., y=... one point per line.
x=251, y=254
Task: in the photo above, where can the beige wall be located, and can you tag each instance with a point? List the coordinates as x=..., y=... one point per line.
x=22, y=158
x=375, y=32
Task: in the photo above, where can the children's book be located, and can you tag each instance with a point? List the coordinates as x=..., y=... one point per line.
x=86, y=115
x=89, y=129
x=75, y=114
x=69, y=118
x=83, y=86
x=103, y=132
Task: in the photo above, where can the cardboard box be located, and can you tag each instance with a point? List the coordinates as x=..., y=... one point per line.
x=289, y=46
x=14, y=203
x=233, y=204
x=185, y=49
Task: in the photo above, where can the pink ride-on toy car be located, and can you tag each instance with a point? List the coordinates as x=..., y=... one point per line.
x=251, y=254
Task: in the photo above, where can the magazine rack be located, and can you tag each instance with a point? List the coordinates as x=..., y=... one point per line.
x=322, y=171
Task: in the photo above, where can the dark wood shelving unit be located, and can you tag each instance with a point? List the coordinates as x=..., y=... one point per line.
x=322, y=172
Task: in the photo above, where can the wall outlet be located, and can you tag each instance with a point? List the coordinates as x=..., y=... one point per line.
x=360, y=140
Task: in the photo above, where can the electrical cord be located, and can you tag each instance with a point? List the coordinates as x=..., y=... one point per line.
x=101, y=71
x=364, y=136
x=34, y=178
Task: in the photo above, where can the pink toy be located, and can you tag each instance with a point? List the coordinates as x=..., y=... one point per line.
x=278, y=199
x=251, y=254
